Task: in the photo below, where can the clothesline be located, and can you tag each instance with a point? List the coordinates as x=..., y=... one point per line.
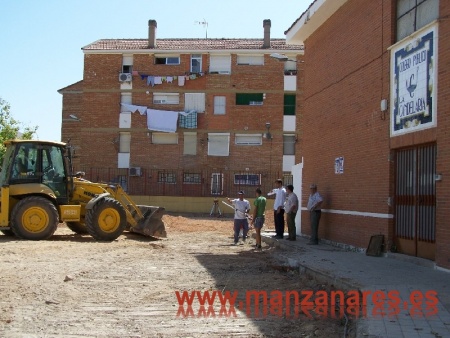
x=165, y=120
x=153, y=80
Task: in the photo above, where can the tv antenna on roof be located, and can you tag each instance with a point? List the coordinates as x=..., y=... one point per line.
x=204, y=24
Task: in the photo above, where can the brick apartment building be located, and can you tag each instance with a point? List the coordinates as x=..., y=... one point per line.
x=185, y=117
x=375, y=131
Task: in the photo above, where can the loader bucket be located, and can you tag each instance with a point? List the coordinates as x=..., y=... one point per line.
x=152, y=224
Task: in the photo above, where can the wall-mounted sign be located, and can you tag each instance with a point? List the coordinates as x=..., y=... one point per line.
x=339, y=165
x=413, y=82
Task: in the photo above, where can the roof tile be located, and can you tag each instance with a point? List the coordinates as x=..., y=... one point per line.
x=189, y=44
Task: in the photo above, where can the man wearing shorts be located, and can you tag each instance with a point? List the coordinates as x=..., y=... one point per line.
x=259, y=216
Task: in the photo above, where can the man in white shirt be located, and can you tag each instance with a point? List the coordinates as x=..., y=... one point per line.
x=314, y=206
x=278, y=208
x=290, y=208
x=241, y=208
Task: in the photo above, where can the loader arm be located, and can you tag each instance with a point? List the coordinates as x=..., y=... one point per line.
x=143, y=219
x=134, y=214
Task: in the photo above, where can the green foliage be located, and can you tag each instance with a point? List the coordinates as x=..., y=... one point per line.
x=10, y=128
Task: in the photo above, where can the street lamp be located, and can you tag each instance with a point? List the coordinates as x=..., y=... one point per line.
x=73, y=118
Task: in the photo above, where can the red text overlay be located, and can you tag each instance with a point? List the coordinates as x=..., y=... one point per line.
x=306, y=303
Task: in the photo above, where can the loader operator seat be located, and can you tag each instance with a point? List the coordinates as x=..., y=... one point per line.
x=20, y=170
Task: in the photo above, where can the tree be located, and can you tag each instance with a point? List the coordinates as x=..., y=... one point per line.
x=10, y=128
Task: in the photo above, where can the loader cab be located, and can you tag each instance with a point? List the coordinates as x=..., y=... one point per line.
x=36, y=162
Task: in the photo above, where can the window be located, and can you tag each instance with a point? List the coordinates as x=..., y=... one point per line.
x=219, y=105
x=216, y=184
x=125, y=120
x=126, y=99
x=194, y=101
x=288, y=179
x=167, y=177
x=415, y=14
x=189, y=178
x=124, y=142
x=166, y=98
x=220, y=64
x=248, y=139
x=218, y=144
x=164, y=138
x=127, y=64
x=249, y=99
x=289, y=144
x=247, y=179
x=167, y=60
x=127, y=69
x=196, y=63
x=190, y=143
x=289, y=104
x=253, y=60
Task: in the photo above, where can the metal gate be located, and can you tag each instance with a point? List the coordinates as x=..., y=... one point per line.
x=415, y=201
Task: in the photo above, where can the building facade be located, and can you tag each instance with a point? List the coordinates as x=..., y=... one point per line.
x=374, y=126
x=191, y=117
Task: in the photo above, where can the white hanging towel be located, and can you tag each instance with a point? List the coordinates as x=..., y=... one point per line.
x=162, y=120
x=158, y=80
x=132, y=108
x=181, y=80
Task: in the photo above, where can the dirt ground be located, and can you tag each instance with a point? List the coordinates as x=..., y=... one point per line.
x=73, y=286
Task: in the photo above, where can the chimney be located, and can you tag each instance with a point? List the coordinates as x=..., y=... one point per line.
x=266, y=25
x=152, y=33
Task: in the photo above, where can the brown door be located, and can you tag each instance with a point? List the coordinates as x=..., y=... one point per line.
x=415, y=201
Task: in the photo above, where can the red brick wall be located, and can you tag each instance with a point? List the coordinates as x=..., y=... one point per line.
x=346, y=76
x=443, y=140
x=101, y=107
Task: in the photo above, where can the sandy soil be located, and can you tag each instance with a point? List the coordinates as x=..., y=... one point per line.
x=73, y=286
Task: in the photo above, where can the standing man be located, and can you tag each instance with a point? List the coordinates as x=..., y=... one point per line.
x=314, y=206
x=278, y=208
x=241, y=208
x=290, y=208
x=259, y=216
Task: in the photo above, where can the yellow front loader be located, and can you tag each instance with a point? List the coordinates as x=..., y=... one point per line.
x=39, y=190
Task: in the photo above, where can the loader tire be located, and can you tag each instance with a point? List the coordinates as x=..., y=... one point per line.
x=34, y=218
x=106, y=220
x=77, y=227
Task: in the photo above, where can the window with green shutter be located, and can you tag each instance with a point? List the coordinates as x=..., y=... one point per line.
x=289, y=104
x=245, y=99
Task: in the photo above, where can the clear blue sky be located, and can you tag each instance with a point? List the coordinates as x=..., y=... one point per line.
x=41, y=40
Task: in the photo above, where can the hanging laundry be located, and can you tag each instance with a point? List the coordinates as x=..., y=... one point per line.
x=169, y=79
x=162, y=120
x=158, y=80
x=150, y=81
x=132, y=108
x=181, y=80
x=188, y=120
